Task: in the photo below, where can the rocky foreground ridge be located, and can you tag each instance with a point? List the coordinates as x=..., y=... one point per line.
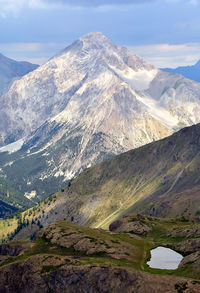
x=67, y=258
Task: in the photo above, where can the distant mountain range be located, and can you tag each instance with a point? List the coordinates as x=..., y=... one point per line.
x=191, y=72
x=92, y=101
x=11, y=70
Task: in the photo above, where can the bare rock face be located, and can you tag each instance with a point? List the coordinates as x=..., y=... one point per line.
x=9, y=250
x=82, y=242
x=188, y=246
x=133, y=225
x=13, y=249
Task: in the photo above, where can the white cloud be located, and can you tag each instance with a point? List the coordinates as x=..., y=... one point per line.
x=18, y=47
x=193, y=2
x=37, y=53
x=166, y=55
x=14, y=7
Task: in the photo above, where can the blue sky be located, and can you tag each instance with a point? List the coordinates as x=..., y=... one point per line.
x=166, y=32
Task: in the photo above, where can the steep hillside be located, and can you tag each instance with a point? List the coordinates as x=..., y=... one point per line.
x=160, y=179
x=191, y=72
x=68, y=258
x=11, y=70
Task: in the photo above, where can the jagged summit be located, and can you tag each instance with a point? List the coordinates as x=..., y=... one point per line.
x=98, y=39
x=96, y=47
x=95, y=37
x=91, y=41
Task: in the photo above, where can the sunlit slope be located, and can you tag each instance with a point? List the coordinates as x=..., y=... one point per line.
x=159, y=179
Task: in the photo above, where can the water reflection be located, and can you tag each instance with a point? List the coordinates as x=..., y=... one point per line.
x=164, y=258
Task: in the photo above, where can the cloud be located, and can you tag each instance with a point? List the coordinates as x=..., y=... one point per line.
x=14, y=7
x=191, y=2
x=97, y=3
x=194, y=2
x=166, y=55
x=37, y=53
x=18, y=47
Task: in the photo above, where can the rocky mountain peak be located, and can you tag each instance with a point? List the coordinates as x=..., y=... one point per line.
x=96, y=50
x=97, y=40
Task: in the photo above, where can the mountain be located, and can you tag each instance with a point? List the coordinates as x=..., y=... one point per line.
x=68, y=258
x=11, y=70
x=88, y=79
x=159, y=179
x=92, y=101
x=191, y=72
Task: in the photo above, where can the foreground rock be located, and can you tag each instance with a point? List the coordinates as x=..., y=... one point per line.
x=73, y=259
x=30, y=276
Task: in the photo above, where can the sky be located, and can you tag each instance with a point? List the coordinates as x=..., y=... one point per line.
x=165, y=32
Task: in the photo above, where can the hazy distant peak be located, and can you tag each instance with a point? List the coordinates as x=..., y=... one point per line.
x=198, y=63
x=11, y=70
x=192, y=71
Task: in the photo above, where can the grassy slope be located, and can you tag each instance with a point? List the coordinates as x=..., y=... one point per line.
x=161, y=179
x=6, y=227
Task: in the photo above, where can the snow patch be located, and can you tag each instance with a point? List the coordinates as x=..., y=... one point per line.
x=59, y=173
x=69, y=175
x=158, y=112
x=31, y=194
x=13, y=147
x=138, y=80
